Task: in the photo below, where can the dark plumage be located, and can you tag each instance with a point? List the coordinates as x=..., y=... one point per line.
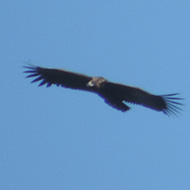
x=114, y=94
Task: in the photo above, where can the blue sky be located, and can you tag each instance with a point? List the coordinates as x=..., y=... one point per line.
x=55, y=138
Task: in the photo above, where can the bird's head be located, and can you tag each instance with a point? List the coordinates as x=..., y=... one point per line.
x=96, y=82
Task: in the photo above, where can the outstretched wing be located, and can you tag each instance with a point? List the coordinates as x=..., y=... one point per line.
x=57, y=76
x=168, y=104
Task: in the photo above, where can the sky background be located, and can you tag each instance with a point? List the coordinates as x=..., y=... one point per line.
x=55, y=138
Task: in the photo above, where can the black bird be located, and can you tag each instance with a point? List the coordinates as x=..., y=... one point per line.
x=114, y=94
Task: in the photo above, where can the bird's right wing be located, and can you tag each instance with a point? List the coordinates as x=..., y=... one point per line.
x=58, y=77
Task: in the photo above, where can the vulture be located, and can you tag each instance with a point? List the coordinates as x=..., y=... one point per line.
x=114, y=94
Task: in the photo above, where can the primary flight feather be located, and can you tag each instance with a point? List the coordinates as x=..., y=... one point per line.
x=114, y=94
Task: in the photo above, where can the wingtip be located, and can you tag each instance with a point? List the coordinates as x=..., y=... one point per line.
x=172, y=104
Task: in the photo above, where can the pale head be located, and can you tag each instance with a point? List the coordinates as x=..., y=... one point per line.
x=96, y=82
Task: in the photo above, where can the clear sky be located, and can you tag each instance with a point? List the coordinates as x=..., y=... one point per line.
x=55, y=138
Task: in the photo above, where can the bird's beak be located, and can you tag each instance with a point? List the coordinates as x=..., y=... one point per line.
x=90, y=84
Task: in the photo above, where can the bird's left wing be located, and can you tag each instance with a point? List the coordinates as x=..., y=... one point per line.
x=168, y=104
x=57, y=76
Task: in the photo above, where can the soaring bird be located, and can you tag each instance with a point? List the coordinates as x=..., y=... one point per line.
x=115, y=94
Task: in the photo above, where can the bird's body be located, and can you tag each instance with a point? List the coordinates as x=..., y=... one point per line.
x=114, y=94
